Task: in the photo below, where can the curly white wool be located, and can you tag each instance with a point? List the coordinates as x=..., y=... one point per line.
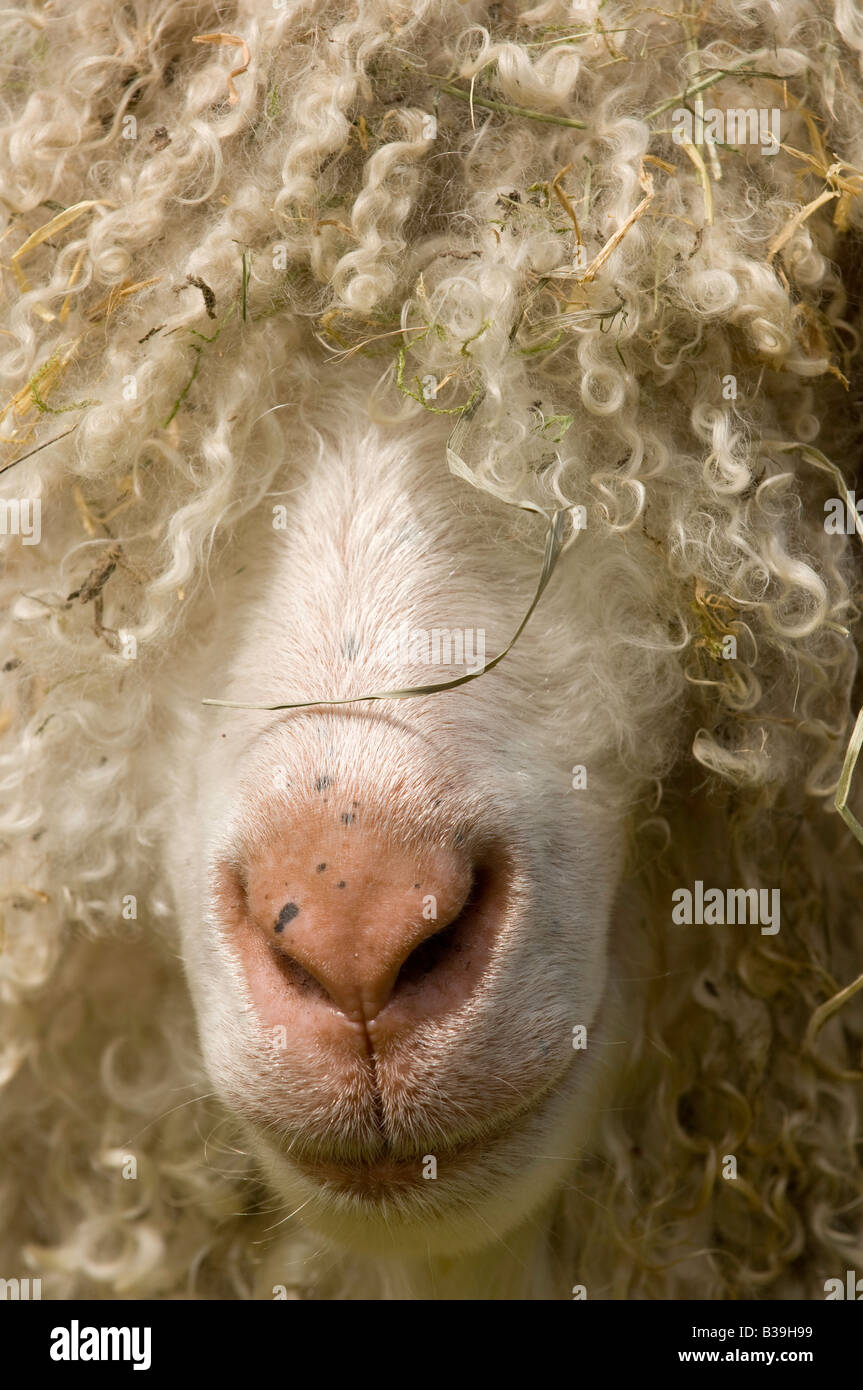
x=341, y=197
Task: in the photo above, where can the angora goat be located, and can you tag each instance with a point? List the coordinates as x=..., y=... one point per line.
x=338, y=332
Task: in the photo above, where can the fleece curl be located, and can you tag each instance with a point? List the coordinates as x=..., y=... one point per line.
x=489, y=197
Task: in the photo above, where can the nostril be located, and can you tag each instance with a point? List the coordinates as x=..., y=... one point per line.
x=453, y=939
x=297, y=977
x=429, y=956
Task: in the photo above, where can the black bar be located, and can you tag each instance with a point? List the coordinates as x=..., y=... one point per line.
x=595, y=1338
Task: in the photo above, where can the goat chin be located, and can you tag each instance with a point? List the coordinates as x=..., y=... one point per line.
x=468, y=1198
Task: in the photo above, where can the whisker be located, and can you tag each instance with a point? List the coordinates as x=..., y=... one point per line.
x=194, y=1100
x=291, y=1214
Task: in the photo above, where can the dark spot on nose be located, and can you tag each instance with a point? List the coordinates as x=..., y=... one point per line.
x=348, y=818
x=287, y=914
x=322, y=783
x=416, y=885
x=320, y=868
x=341, y=885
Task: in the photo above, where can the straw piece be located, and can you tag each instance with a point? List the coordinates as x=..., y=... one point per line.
x=48, y=229
x=208, y=294
x=703, y=178
x=109, y=302
x=602, y=256
x=554, y=543
x=553, y=547
x=44, y=445
x=562, y=198
x=197, y=349
x=244, y=289
x=820, y=461
x=46, y=377
x=508, y=109
x=56, y=224
x=843, y=791
x=703, y=83
x=852, y=753
x=418, y=395
x=229, y=39
x=76, y=270
x=99, y=575
x=797, y=220
x=822, y=1015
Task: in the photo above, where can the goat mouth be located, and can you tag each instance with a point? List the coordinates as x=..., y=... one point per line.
x=385, y=1174
x=388, y=1173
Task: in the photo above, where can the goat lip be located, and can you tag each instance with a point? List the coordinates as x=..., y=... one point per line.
x=378, y=1176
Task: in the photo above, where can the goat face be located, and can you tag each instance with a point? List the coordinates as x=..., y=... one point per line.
x=395, y=915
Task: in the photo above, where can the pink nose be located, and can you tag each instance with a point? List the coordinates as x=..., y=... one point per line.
x=344, y=907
